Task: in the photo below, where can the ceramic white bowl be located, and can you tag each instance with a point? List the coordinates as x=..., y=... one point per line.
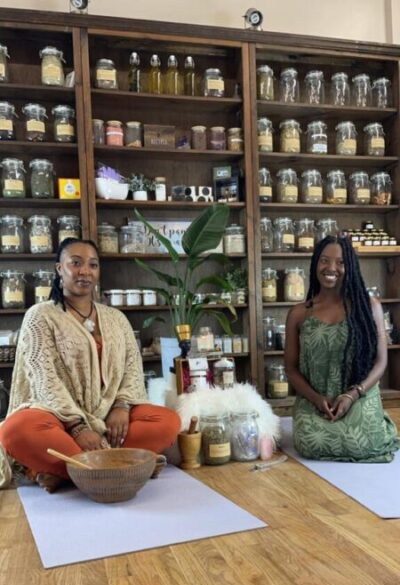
x=110, y=189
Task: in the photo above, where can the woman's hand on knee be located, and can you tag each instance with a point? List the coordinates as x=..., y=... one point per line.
x=117, y=426
x=89, y=440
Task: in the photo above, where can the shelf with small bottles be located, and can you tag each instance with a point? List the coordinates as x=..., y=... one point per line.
x=153, y=205
x=167, y=153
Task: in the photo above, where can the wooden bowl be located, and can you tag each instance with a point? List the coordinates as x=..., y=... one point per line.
x=117, y=474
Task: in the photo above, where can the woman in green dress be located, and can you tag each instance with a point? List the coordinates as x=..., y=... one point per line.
x=335, y=355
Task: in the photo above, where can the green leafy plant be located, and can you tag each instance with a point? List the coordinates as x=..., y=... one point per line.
x=236, y=278
x=202, y=235
x=140, y=183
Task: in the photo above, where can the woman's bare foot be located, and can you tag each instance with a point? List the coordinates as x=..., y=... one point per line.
x=49, y=482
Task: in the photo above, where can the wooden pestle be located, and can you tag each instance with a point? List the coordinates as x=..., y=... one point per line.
x=68, y=459
x=193, y=425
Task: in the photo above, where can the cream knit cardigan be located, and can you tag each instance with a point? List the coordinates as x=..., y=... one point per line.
x=57, y=368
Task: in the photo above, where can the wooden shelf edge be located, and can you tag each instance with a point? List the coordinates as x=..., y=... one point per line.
x=163, y=204
x=195, y=100
x=350, y=208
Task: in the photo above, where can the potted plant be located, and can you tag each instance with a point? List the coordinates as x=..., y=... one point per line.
x=202, y=235
x=237, y=280
x=140, y=185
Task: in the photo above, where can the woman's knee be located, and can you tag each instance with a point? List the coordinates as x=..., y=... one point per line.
x=19, y=427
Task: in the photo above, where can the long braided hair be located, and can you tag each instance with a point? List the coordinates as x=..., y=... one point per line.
x=56, y=293
x=362, y=331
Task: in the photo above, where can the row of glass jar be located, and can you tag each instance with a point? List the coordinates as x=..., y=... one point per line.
x=136, y=297
x=362, y=93
x=113, y=133
x=12, y=233
x=207, y=342
x=13, y=288
x=317, y=137
x=13, y=181
x=294, y=285
x=52, y=69
x=35, y=125
x=360, y=189
x=286, y=235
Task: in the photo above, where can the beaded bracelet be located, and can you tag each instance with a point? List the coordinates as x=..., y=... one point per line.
x=348, y=396
x=78, y=429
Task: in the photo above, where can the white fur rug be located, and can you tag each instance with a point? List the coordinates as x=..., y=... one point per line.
x=240, y=398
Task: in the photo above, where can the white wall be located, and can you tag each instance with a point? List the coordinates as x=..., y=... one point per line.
x=367, y=20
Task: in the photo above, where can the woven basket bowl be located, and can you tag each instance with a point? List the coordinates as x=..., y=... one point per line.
x=117, y=476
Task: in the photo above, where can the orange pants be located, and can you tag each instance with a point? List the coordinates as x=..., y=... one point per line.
x=27, y=434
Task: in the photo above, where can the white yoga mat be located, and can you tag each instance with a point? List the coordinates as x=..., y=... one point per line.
x=374, y=485
x=70, y=528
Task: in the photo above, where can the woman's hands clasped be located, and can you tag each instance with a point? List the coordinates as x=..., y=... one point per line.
x=117, y=423
x=333, y=409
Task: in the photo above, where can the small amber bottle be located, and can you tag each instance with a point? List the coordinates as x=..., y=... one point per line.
x=189, y=77
x=155, y=75
x=172, y=77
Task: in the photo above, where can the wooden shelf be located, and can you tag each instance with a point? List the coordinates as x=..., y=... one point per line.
x=167, y=153
x=327, y=207
x=324, y=111
x=30, y=93
x=140, y=308
x=178, y=205
x=40, y=203
x=281, y=402
x=152, y=256
x=278, y=304
x=288, y=255
x=22, y=147
x=320, y=160
x=394, y=346
x=7, y=365
x=278, y=352
x=27, y=257
x=13, y=311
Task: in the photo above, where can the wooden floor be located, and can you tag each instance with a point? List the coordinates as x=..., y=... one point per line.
x=316, y=536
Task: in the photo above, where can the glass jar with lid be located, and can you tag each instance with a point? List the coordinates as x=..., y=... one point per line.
x=12, y=234
x=106, y=74
x=287, y=190
x=7, y=114
x=283, y=235
x=68, y=227
x=4, y=64
x=340, y=89
x=311, y=186
x=13, y=178
x=374, y=139
x=381, y=189
x=265, y=185
x=269, y=285
x=265, y=83
x=43, y=281
x=131, y=239
x=134, y=75
x=245, y=437
x=35, y=128
x=305, y=235
x=40, y=239
x=264, y=135
x=217, y=138
x=267, y=235
x=64, y=129
x=373, y=292
x=382, y=93
x=98, y=131
x=133, y=134
x=346, y=139
x=107, y=238
x=361, y=90
x=290, y=136
x=359, y=188
x=269, y=333
x=294, y=285
x=199, y=137
x=314, y=88
x=326, y=227
x=42, y=183
x=289, y=91
x=114, y=133
x=234, y=239
x=213, y=83
x=317, y=138
x=13, y=289
x=52, y=70
x=336, y=187
x=215, y=439
x=224, y=373
x=280, y=336
x=235, y=139
x=160, y=188
x=278, y=386
x=205, y=340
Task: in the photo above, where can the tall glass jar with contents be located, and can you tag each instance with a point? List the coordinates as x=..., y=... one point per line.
x=199, y=137
x=346, y=139
x=154, y=79
x=382, y=93
x=114, y=133
x=213, y=83
x=13, y=178
x=13, y=289
x=361, y=90
x=224, y=372
x=359, y=188
x=317, y=138
x=42, y=178
x=215, y=439
x=106, y=74
x=4, y=64
x=269, y=285
x=374, y=136
x=160, y=188
x=12, y=234
x=326, y=227
x=234, y=239
x=305, y=235
x=314, y=88
x=172, y=84
x=381, y=189
x=235, y=139
x=189, y=77
x=35, y=127
x=245, y=436
x=64, y=128
x=283, y=235
x=131, y=239
x=340, y=89
x=289, y=90
x=264, y=135
x=68, y=227
x=52, y=66
x=98, y=131
x=43, y=281
x=289, y=136
x=311, y=186
x=40, y=238
x=269, y=333
x=7, y=115
x=264, y=185
x=336, y=187
x=265, y=83
x=278, y=386
x=287, y=190
x=134, y=75
x=107, y=238
x=133, y=134
x=267, y=235
x=294, y=285
x=217, y=138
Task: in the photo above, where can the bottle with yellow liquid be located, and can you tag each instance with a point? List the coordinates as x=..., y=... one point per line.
x=172, y=81
x=189, y=77
x=155, y=75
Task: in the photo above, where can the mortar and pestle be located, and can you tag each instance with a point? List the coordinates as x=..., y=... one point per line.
x=189, y=445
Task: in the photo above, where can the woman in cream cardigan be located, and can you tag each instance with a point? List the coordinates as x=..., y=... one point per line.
x=78, y=381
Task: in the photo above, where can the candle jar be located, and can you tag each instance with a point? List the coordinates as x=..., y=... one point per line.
x=289, y=91
x=4, y=64
x=7, y=114
x=361, y=90
x=42, y=184
x=336, y=188
x=213, y=83
x=314, y=88
x=107, y=238
x=294, y=289
x=326, y=227
x=278, y=386
x=217, y=138
x=283, y=235
x=265, y=83
x=234, y=240
x=346, y=139
x=12, y=234
x=215, y=439
x=40, y=240
x=265, y=185
x=311, y=186
x=149, y=297
x=264, y=135
x=305, y=235
x=114, y=133
x=287, y=190
x=317, y=138
x=269, y=333
x=133, y=297
x=64, y=130
x=43, y=281
x=236, y=344
x=52, y=70
x=35, y=128
x=381, y=189
x=245, y=436
x=290, y=136
x=359, y=188
x=160, y=188
x=269, y=285
x=115, y=297
x=235, y=139
x=340, y=89
x=13, y=289
x=106, y=74
x=133, y=134
x=267, y=235
x=381, y=93
x=131, y=239
x=224, y=373
x=227, y=344
x=13, y=178
x=98, y=131
x=374, y=139
x=205, y=340
x=199, y=137
x=69, y=227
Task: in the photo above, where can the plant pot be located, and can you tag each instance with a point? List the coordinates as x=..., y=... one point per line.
x=140, y=196
x=184, y=334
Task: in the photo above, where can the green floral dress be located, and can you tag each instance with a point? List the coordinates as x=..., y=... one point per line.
x=366, y=433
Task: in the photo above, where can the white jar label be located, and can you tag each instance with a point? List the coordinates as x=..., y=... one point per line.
x=52, y=73
x=42, y=293
x=290, y=190
x=221, y=450
x=349, y=144
x=363, y=194
x=288, y=238
x=340, y=194
x=279, y=389
x=265, y=140
x=269, y=292
x=62, y=234
x=216, y=84
x=40, y=241
x=161, y=192
x=10, y=241
x=314, y=191
x=377, y=142
x=13, y=185
x=306, y=242
x=35, y=126
x=15, y=296
x=228, y=378
x=65, y=130
x=265, y=191
x=291, y=145
x=2, y=70
x=319, y=148
x=6, y=125
x=106, y=75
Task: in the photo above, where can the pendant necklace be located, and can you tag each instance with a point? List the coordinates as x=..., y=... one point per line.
x=88, y=323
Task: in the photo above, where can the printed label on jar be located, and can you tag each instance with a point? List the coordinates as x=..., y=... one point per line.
x=363, y=194
x=13, y=185
x=349, y=144
x=279, y=389
x=319, y=148
x=314, y=191
x=377, y=142
x=265, y=140
x=10, y=241
x=42, y=292
x=228, y=378
x=295, y=292
x=269, y=292
x=35, y=126
x=306, y=242
x=291, y=144
x=62, y=234
x=340, y=194
x=52, y=72
x=221, y=450
x=15, y=296
x=40, y=241
x=265, y=191
x=106, y=74
x=289, y=190
x=216, y=84
x=288, y=238
x=2, y=70
x=6, y=125
x=65, y=130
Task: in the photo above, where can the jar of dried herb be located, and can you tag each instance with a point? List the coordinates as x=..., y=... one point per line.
x=215, y=438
